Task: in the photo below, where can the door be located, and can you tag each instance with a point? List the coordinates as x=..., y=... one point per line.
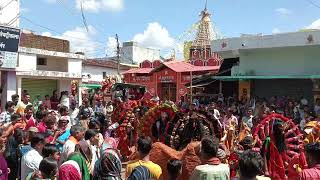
x=168, y=91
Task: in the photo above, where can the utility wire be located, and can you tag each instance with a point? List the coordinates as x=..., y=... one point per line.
x=84, y=19
x=313, y=3
x=2, y=7
x=57, y=32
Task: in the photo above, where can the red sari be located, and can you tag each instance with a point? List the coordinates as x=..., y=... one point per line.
x=276, y=163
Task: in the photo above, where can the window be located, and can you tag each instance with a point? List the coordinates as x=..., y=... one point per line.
x=104, y=74
x=42, y=61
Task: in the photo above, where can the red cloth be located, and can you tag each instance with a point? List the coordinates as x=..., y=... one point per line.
x=276, y=164
x=69, y=172
x=298, y=160
x=31, y=123
x=214, y=161
x=42, y=127
x=312, y=173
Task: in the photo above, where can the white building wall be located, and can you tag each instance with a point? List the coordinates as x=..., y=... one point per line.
x=27, y=62
x=75, y=66
x=9, y=14
x=140, y=54
x=281, y=61
x=133, y=52
x=231, y=47
x=96, y=72
x=55, y=64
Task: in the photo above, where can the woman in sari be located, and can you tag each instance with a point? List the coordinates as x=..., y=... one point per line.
x=69, y=170
x=80, y=160
x=109, y=166
x=4, y=170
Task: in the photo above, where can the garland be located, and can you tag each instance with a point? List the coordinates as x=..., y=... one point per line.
x=153, y=114
x=121, y=115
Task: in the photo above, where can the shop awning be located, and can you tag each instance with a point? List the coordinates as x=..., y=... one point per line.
x=236, y=78
x=91, y=86
x=199, y=85
x=206, y=80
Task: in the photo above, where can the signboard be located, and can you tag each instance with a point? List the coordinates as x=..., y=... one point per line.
x=166, y=79
x=141, y=79
x=166, y=76
x=185, y=78
x=9, y=44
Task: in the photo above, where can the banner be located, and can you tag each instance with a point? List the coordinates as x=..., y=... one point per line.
x=9, y=44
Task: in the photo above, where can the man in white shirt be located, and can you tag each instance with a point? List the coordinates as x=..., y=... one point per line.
x=230, y=119
x=248, y=119
x=211, y=167
x=31, y=160
x=5, y=117
x=77, y=134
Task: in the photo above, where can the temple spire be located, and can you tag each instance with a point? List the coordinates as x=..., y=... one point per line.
x=204, y=35
x=205, y=7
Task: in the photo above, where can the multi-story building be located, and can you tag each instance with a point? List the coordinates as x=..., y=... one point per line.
x=94, y=71
x=132, y=52
x=45, y=64
x=285, y=64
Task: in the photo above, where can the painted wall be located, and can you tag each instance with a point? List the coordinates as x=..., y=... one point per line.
x=132, y=51
x=281, y=61
x=55, y=64
x=27, y=62
x=74, y=66
x=230, y=47
x=10, y=12
x=96, y=72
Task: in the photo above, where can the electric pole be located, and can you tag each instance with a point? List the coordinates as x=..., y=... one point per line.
x=118, y=54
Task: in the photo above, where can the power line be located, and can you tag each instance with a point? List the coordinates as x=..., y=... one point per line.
x=13, y=20
x=57, y=32
x=2, y=7
x=84, y=19
x=313, y=3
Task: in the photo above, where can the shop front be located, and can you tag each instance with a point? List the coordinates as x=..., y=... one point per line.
x=168, y=79
x=42, y=83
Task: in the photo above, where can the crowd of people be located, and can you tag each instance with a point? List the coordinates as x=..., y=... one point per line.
x=54, y=139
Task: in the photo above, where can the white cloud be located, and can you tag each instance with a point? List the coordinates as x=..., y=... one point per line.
x=275, y=31
x=80, y=40
x=111, y=49
x=114, y=5
x=314, y=25
x=51, y=1
x=155, y=36
x=48, y=34
x=283, y=11
x=99, y=5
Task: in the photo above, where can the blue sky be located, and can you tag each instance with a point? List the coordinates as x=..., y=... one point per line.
x=158, y=23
